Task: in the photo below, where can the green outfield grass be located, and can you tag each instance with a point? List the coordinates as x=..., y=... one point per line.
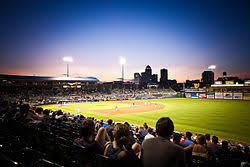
x=224, y=118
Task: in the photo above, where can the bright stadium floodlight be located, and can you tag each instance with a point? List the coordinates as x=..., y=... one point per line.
x=68, y=60
x=212, y=67
x=122, y=62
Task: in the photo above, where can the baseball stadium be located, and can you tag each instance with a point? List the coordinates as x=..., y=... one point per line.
x=43, y=109
x=118, y=83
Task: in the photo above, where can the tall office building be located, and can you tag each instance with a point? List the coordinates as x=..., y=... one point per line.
x=148, y=70
x=208, y=78
x=164, y=77
x=154, y=78
x=146, y=77
x=164, y=74
x=137, y=78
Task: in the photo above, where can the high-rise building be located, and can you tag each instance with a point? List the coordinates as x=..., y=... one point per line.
x=154, y=78
x=164, y=74
x=137, y=78
x=145, y=77
x=148, y=70
x=164, y=77
x=208, y=78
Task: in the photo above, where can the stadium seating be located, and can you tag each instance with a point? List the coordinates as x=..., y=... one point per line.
x=50, y=141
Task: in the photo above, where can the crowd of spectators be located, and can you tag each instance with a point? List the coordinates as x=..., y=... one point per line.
x=33, y=136
x=46, y=95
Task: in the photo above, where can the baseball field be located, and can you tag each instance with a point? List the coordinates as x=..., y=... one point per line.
x=224, y=118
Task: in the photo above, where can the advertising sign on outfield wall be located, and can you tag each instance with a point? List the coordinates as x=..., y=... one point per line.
x=188, y=95
x=237, y=96
x=210, y=95
x=202, y=95
x=219, y=95
x=228, y=96
x=246, y=96
x=194, y=95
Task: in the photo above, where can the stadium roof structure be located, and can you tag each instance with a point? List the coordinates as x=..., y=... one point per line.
x=39, y=78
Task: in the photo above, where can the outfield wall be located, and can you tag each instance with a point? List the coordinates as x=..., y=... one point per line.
x=218, y=95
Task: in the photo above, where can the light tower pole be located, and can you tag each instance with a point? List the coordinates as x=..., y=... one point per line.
x=67, y=60
x=67, y=70
x=122, y=62
x=212, y=68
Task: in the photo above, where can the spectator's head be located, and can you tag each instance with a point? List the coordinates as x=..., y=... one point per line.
x=150, y=130
x=207, y=137
x=215, y=139
x=87, y=128
x=201, y=139
x=189, y=135
x=46, y=112
x=145, y=125
x=126, y=123
x=164, y=127
x=246, y=149
x=109, y=121
x=82, y=117
x=122, y=135
x=224, y=145
x=59, y=112
x=39, y=110
x=177, y=138
x=24, y=108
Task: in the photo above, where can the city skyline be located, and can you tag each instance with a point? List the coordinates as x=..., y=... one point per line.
x=183, y=37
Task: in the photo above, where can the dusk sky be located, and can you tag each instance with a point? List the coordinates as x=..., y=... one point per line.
x=183, y=36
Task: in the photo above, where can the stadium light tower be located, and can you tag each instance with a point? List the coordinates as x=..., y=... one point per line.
x=122, y=62
x=68, y=60
x=212, y=67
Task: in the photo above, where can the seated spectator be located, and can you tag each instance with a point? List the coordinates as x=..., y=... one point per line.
x=110, y=129
x=143, y=131
x=246, y=157
x=177, y=139
x=145, y=125
x=102, y=137
x=41, y=114
x=224, y=152
x=187, y=141
x=214, y=145
x=121, y=148
x=25, y=114
x=207, y=136
x=160, y=151
x=39, y=110
x=150, y=134
x=87, y=131
x=200, y=148
x=224, y=148
x=46, y=116
x=131, y=132
x=58, y=114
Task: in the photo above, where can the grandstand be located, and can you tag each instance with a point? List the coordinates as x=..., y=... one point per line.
x=119, y=83
x=33, y=136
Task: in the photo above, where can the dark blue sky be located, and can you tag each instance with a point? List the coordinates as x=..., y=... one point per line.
x=183, y=36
